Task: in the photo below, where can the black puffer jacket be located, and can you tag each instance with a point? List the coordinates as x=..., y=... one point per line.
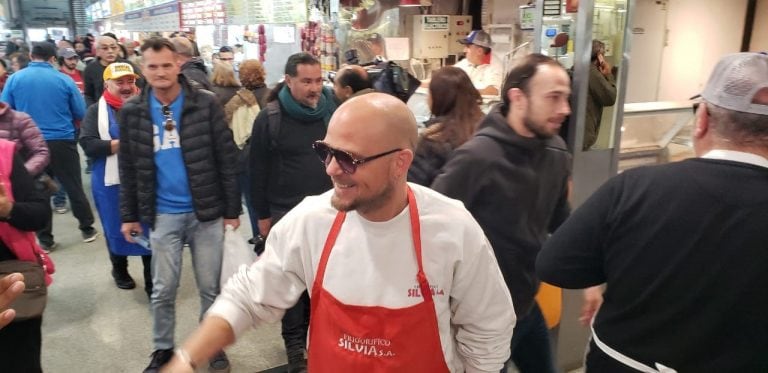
x=195, y=69
x=210, y=156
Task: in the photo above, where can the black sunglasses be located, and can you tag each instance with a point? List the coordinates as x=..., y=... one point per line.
x=346, y=161
x=170, y=124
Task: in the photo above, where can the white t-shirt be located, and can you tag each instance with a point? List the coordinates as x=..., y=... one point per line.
x=373, y=264
x=482, y=76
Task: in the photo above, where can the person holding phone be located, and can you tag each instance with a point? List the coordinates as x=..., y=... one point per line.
x=602, y=92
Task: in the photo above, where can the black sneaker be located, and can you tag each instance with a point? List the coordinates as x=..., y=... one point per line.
x=123, y=279
x=159, y=358
x=48, y=248
x=89, y=235
x=219, y=363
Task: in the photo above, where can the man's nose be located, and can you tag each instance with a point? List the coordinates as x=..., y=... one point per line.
x=332, y=168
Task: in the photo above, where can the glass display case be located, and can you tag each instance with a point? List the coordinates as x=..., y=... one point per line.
x=655, y=132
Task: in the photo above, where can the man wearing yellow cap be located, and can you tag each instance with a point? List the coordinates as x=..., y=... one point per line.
x=100, y=141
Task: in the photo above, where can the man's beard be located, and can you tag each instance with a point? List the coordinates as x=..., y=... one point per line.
x=364, y=205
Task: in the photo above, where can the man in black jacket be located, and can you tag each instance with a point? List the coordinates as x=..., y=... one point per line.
x=284, y=169
x=107, y=51
x=681, y=247
x=192, y=67
x=178, y=174
x=519, y=170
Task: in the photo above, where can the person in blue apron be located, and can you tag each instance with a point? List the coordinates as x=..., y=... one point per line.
x=100, y=139
x=681, y=247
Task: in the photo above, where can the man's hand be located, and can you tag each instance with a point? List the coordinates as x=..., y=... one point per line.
x=489, y=91
x=593, y=298
x=10, y=288
x=177, y=366
x=127, y=228
x=6, y=205
x=235, y=223
x=264, y=226
x=114, y=145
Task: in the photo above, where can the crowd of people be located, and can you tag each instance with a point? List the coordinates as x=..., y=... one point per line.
x=400, y=250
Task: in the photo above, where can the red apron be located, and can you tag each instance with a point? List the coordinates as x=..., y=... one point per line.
x=349, y=338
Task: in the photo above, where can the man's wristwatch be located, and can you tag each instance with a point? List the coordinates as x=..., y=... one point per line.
x=183, y=355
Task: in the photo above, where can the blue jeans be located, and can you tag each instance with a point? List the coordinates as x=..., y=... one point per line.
x=205, y=240
x=531, y=351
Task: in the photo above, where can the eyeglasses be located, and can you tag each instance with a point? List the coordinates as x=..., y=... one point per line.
x=170, y=124
x=227, y=58
x=346, y=161
x=696, y=108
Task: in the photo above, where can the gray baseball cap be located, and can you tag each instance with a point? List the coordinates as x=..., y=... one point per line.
x=477, y=37
x=67, y=52
x=736, y=80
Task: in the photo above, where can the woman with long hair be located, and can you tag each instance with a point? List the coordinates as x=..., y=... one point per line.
x=224, y=82
x=455, y=105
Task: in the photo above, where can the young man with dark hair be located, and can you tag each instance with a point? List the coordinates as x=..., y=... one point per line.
x=519, y=169
x=68, y=59
x=178, y=174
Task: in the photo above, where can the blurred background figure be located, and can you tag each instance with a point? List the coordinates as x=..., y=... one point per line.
x=241, y=111
x=455, y=105
x=351, y=81
x=21, y=340
x=192, y=66
x=224, y=82
x=602, y=92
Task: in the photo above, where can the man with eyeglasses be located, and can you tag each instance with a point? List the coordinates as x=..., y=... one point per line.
x=513, y=177
x=392, y=289
x=283, y=169
x=107, y=52
x=178, y=175
x=681, y=247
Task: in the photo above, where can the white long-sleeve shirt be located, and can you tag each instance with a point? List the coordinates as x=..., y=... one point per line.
x=374, y=264
x=482, y=76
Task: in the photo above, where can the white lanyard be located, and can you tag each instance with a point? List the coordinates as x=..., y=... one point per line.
x=626, y=360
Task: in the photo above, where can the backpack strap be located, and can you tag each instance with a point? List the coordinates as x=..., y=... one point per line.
x=273, y=125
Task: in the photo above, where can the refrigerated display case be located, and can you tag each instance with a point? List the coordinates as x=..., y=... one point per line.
x=655, y=133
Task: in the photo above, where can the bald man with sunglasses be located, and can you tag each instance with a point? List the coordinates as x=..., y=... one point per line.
x=391, y=288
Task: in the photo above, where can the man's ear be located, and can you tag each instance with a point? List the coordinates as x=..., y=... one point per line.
x=516, y=97
x=701, y=121
x=403, y=161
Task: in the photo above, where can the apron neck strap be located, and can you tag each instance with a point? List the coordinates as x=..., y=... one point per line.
x=415, y=234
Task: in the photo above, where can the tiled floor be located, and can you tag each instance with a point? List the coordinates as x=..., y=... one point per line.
x=92, y=326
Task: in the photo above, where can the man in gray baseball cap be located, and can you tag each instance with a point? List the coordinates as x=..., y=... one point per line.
x=681, y=247
x=484, y=73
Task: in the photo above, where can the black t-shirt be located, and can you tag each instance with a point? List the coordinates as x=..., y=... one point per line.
x=683, y=249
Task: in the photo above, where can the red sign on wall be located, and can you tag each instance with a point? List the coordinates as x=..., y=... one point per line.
x=203, y=12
